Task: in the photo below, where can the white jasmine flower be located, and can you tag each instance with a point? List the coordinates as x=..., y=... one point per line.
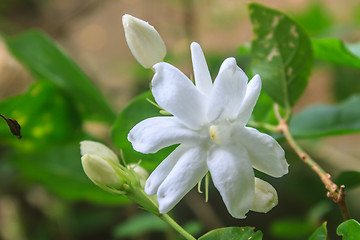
x=209, y=124
x=144, y=41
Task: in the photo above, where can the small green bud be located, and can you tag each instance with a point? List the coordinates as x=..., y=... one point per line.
x=144, y=41
x=265, y=197
x=141, y=173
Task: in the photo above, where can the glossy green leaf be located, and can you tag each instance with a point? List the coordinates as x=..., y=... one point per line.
x=320, y=233
x=139, y=225
x=46, y=115
x=328, y=120
x=282, y=54
x=59, y=170
x=139, y=109
x=233, y=233
x=334, y=50
x=350, y=179
x=349, y=230
x=46, y=61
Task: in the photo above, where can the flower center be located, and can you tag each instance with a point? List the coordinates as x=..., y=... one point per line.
x=220, y=133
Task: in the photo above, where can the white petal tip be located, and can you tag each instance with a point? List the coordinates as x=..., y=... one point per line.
x=256, y=79
x=194, y=45
x=229, y=62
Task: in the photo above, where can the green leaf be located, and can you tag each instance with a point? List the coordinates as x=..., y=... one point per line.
x=282, y=54
x=139, y=225
x=334, y=50
x=60, y=171
x=349, y=230
x=45, y=60
x=350, y=179
x=320, y=233
x=328, y=120
x=233, y=233
x=139, y=109
x=46, y=115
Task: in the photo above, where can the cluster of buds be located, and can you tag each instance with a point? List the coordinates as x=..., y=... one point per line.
x=103, y=168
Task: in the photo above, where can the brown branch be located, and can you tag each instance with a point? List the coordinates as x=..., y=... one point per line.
x=334, y=193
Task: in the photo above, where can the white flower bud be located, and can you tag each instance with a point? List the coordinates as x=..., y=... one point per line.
x=140, y=172
x=265, y=197
x=144, y=41
x=99, y=149
x=100, y=171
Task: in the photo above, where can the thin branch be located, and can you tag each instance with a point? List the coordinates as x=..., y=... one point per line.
x=336, y=194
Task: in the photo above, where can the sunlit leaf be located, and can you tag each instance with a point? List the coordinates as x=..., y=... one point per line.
x=139, y=109
x=60, y=171
x=350, y=179
x=320, y=233
x=349, y=230
x=328, y=120
x=47, y=117
x=233, y=233
x=334, y=50
x=282, y=54
x=45, y=60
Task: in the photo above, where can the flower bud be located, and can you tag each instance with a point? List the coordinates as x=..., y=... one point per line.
x=99, y=149
x=140, y=172
x=265, y=197
x=99, y=163
x=144, y=41
x=100, y=171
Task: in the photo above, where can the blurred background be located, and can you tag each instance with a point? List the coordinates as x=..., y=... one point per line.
x=35, y=204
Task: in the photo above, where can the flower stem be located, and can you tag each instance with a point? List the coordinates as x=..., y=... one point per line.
x=166, y=218
x=140, y=197
x=336, y=194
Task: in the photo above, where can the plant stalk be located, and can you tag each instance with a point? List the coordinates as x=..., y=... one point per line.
x=336, y=194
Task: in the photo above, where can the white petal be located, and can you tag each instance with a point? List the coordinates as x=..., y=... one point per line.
x=265, y=197
x=251, y=97
x=174, y=92
x=201, y=71
x=233, y=176
x=187, y=172
x=99, y=149
x=153, y=134
x=265, y=152
x=228, y=92
x=162, y=171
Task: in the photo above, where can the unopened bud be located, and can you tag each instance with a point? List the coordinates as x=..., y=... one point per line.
x=140, y=172
x=265, y=197
x=100, y=171
x=99, y=163
x=144, y=41
x=99, y=149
